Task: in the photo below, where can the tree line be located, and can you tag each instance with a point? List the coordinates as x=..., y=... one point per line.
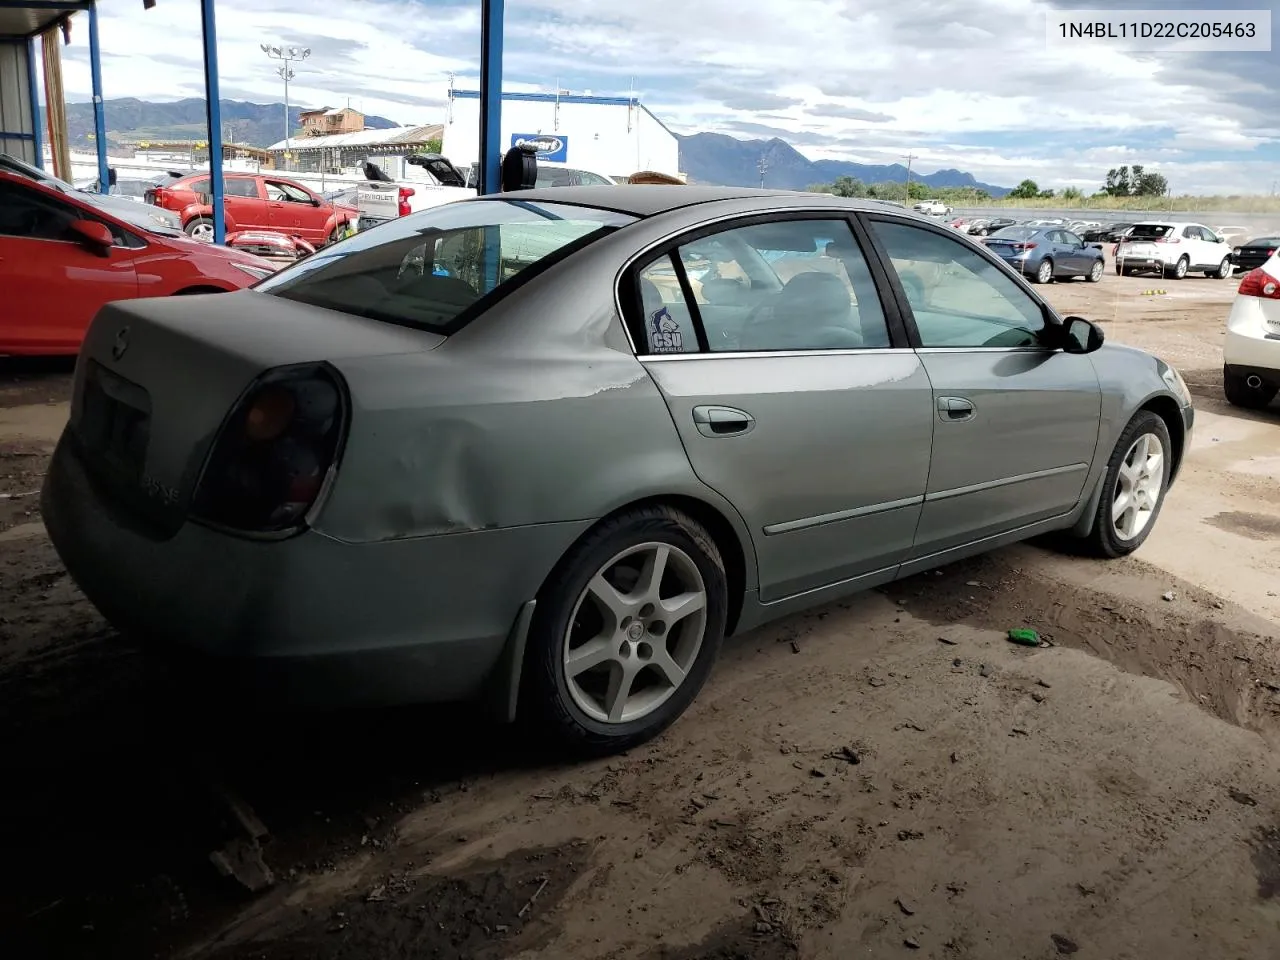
x=1123, y=181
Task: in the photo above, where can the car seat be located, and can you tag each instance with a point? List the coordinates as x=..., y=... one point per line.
x=813, y=311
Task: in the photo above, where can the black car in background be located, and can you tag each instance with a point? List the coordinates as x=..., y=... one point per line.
x=1106, y=233
x=1255, y=253
x=991, y=226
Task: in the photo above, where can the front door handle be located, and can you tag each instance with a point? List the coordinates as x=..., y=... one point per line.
x=955, y=409
x=722, y=421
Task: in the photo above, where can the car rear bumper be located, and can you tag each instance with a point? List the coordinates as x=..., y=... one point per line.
x=309, y=621
x=1247, y=262
x=1252, y=342
x=1141, y=263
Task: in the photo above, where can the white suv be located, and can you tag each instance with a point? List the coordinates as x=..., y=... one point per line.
x=1173, y=250
x=933, y=208
x=1251, y=351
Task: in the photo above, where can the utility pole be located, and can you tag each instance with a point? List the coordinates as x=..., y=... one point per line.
x=288, y=56
x=909, y=157
x=762, y=167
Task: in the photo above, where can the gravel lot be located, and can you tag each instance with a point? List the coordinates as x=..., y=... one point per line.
x=879, y=778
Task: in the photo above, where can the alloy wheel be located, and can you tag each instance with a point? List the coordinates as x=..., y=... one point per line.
x=635, y=633
x=203, y=232
x=1095, y=274
x=1045, y=272
x=1139, y=485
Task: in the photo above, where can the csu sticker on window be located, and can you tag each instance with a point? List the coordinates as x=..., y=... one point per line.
x=666, y=336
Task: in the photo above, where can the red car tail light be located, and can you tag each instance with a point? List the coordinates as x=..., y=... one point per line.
x=1024, y=246
x=275, y=452
x=405, y=194
x=1259, y=283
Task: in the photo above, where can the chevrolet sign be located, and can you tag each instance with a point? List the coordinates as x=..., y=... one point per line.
x=549, y=147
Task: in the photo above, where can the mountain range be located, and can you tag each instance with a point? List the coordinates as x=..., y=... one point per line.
x=705, y=157
x=253, y=124
x=717, y=158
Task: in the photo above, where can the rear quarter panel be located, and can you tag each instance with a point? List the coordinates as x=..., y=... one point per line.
x=537, y=413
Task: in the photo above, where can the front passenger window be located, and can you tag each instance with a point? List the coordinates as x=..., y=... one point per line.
x=958, y=298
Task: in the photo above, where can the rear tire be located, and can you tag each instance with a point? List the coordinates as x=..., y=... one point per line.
x=1179, y=269
x=1240, y=394
x=635, y=638
x=1107, y=539
x=1044, y=272
x=199, y=228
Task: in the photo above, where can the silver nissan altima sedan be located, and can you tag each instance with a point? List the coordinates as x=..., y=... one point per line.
x=550, y=448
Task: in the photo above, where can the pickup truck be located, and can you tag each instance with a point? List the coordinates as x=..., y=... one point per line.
x=933, y=208
x=398, y=186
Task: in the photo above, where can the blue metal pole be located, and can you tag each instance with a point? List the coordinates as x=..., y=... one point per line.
x=36, y=115
x=99, y=121
x=491, y=17
x=213, y=113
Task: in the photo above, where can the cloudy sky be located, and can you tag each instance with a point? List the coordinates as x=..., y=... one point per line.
x=970, y=84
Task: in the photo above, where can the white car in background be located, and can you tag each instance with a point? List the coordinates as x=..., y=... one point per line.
x=932, y=208
x=1173, y=250
x=1251, y=351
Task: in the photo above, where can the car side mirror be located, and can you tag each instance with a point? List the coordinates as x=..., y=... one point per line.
x=1081, y=336
x=93, y=235
x=316, y=201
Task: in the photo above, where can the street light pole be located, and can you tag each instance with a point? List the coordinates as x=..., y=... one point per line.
x=762, y=168
x=288, y=56
x=909, y=157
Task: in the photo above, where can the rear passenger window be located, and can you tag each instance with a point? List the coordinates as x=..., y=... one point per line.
x=788, y=285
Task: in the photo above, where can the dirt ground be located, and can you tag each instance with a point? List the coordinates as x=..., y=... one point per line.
x=883, y=777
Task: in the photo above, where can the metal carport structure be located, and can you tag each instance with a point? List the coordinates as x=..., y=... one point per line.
x=22, y=21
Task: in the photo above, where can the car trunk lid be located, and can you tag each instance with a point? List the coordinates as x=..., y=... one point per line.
x=157, y=378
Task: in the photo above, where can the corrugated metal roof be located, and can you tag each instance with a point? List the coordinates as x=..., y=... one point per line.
x=365, y=138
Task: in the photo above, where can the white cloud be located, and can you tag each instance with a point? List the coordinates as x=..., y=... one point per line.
x=837, y=78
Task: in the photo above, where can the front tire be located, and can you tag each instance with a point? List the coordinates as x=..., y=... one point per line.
x=1225, y=269
x=1240, y=394
x=626, y=631
x=199, y=228
x=1044, y=272
x=1133, y=487
x=1095, y=272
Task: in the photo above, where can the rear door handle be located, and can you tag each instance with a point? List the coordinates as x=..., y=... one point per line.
x=722, y=421
x=955, y=409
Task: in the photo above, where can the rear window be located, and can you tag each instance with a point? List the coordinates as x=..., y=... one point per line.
x=1149, y=231
x=1015, y=233
x=436, y=269
x=1265, y=242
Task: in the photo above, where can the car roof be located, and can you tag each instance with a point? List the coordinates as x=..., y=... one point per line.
x=648, y=200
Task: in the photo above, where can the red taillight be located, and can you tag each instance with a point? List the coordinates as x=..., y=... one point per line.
x=1271, y=253
x=1259, y=283
x=405, y=193
x=1023, y=246
x=274, y=452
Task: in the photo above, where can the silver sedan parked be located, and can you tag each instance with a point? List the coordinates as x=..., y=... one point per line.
x=551, y=448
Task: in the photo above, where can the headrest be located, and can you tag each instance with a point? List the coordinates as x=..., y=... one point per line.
x=814, y=291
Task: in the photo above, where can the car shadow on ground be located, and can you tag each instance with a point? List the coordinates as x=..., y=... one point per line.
x=115, y=794
x=26, y=380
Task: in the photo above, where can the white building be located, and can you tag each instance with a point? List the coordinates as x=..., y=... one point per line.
x=617, y=136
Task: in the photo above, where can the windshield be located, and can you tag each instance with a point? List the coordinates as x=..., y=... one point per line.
x=1015, y=233
x=1149, y=231
x=428, y=269
x=23, y=169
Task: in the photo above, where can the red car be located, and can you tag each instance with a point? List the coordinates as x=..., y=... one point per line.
x=61, y=259
x=254, y=202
